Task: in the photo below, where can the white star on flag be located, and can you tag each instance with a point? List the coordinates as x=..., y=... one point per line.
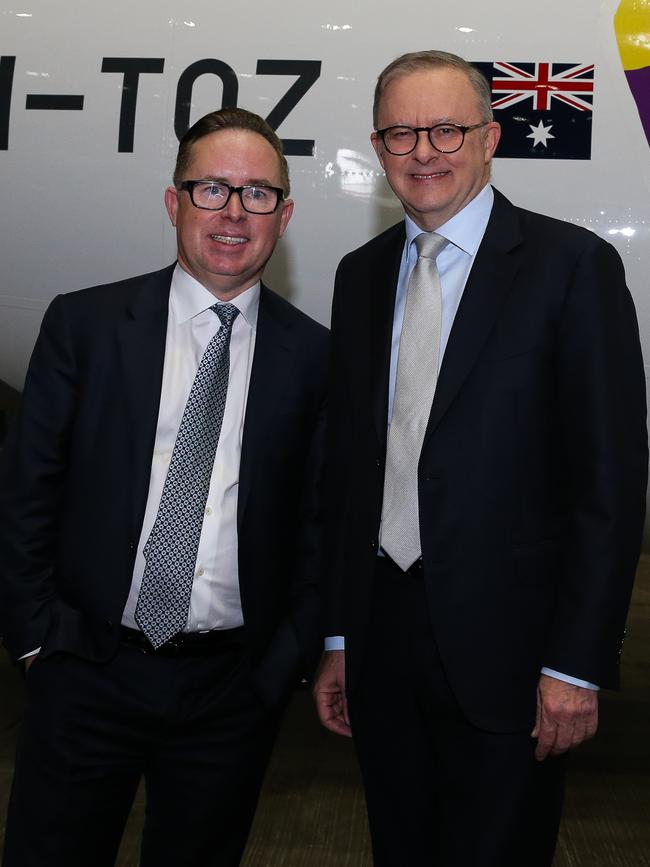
x=540, y=133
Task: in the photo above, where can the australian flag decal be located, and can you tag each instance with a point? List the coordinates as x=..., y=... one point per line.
x=545, y=109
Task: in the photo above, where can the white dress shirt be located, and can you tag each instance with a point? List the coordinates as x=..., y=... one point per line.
x=215, y=602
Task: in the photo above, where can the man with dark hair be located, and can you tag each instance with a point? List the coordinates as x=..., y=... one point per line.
x=159, y=529
x=230, y=118
x=487, y=465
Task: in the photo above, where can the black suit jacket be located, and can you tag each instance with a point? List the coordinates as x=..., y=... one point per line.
x=532, y=476
x=75, y=477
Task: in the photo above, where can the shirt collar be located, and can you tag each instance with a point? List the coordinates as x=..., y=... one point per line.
x=189, y=298
x=466, y=228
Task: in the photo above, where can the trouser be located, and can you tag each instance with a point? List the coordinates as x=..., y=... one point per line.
x=192, y=727
x=440, y=791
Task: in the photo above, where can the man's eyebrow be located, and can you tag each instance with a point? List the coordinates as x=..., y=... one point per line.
x=446, y=119
x=436, y=122
x=217, y=178
x=261, y=182
x=250, y=182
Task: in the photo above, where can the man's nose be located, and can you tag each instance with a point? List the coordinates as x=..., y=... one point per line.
x=424, y=150
x=234, y=210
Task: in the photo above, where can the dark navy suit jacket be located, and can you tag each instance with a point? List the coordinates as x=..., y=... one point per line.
x=532, y=476
x=75, y=477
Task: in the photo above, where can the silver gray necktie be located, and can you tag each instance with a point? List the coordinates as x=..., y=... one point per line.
x=417, y=373
x=170, y=551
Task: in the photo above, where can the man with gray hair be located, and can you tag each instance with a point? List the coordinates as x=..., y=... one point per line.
x=487, y=464
x=159, y=528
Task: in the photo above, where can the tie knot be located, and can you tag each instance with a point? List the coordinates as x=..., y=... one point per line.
x=429, y=244
x=227, y=313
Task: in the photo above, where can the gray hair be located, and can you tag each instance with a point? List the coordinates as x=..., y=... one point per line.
x=418, y=60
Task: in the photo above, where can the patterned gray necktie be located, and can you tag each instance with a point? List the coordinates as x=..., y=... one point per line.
x=417, y=373
x=170, y=551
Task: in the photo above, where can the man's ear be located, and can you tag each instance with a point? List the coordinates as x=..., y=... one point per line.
x=287, y=211
x=492, y=136
x=171, y=203
x=376, y=142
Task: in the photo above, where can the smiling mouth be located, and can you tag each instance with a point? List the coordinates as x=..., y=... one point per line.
x=429, y=176
x=228, y=239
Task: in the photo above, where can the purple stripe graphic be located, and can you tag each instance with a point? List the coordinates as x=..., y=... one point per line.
x=639, y=81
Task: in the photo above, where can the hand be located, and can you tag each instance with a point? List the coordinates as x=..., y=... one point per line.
x=329, y=693
x=567, y=715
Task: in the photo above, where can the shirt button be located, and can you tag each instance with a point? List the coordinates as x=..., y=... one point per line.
x=208, y=510
x=200, y=571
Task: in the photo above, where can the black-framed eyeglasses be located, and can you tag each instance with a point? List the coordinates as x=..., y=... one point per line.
x=215, y=195
x=446, y=138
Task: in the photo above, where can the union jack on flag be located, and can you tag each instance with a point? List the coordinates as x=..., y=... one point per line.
x=573, y=86
x=545, y=109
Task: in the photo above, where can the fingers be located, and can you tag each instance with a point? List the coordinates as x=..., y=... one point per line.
x=546, y=736
x=329, y=693
x=567, y=716
x=332, y=711
x=333, y=715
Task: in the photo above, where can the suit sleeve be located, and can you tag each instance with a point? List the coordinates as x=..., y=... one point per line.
x=602, y=412
x=337, y=474
x=295, y=645
x=307, y=603
x=32, y=477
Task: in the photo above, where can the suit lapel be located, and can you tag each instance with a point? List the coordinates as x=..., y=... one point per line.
x=141, y=341
x=272, y=363
x=382, y=285
x=489, y=284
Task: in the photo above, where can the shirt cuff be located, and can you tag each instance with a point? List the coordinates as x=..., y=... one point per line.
x=335, y=642
x=567, y=678
x=27, y=655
